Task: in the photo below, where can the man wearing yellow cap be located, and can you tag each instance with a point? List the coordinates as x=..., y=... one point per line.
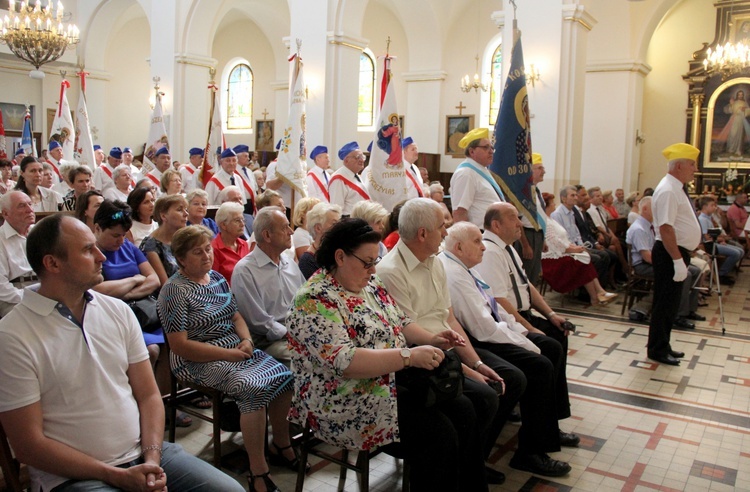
x=677, y=234
x=473, y=189
x=531, y=244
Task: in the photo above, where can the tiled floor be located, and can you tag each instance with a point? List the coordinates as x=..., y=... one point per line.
x=644, y=426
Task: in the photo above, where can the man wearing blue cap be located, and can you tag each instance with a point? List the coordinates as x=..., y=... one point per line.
x=54, y=155
x=226, y=176
x=20, y=154
x=248, y=178
x=103, y=174
x=189, y=171
x=319, y=176
x=98, y=155
x=162, y=161
x=346, y=187
x=414, y=183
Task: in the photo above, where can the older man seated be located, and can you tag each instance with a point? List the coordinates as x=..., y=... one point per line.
x=539, y=357
x=265, y=282
x=15, y=270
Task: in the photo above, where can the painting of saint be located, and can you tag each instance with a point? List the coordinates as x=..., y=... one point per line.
x=730, y=129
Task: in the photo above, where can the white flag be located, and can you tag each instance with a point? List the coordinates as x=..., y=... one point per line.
x=63, y=129
x=157, y=137
x=385, y=177
x=84, y=145
x=292, y=165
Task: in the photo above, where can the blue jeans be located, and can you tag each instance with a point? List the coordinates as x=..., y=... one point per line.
x=733, y=254
x=184, y=472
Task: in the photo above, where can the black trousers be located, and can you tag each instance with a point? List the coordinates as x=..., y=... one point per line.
x=442, y=444
x=667, y=294
x=600, y=259
x=539, y=431
x=532, y=267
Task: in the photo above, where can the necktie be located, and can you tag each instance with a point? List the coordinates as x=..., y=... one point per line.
x=601, y=216
x=521, y=275
x=231, y=180
x=541, y=218
x=357, y=176
x=325, y=175
x=490, y=300
x=244, y=170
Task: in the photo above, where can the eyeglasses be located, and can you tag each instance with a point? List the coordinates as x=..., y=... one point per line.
x=488, y=148
x=368, y=264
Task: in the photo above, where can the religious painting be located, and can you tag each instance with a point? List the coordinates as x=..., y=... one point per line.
x=264, y=136
x=51, y=119
x=13, y=116
x=739, y=30
x=727, y=125
x=456, y=126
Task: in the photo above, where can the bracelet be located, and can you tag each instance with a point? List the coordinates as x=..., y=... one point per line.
x=153, y=447
x=477, y=364
x=550, y=314
x=249, y=340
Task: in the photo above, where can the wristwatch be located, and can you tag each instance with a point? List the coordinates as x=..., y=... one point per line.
x=406, y=355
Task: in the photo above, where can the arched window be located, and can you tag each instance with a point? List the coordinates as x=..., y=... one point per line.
x=240, y=98
x=496, y=84
x=366, y=103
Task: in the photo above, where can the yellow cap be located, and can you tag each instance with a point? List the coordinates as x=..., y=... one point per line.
x=681, y=151
x=475, y=134
x=536, y=158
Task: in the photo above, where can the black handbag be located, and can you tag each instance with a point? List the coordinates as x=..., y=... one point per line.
x=145, y=311
x=443, y=383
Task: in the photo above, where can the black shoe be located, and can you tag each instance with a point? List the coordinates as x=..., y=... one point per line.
x=676, y=354
x=569, y=440
x=278, y=458
x=270, y=486
x=683, y=324
x=540, y=464
x=665, y=359
x=726, y=280
x=494, y=477
x=695, y=316
x=514, y=416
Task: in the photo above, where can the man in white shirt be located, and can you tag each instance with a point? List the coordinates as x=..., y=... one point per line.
x=414, y=185
x=320, y=174
x=15, y=270
x=55, y=154
x=531, y=242
x=346, y=187
x=78, y=398
x=162, y=162
x=98, y=155
x=189, y=170
x=473, y=189
x=248, y=178
x=677, y=234
x=103, y=174
x=273, y=182
x=265, y=282
x=226, y=176
x=539, y=357
x=623, y=209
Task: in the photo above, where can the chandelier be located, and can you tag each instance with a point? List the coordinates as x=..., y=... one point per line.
x=33, y=34
x=468, y=84
x=727, y=59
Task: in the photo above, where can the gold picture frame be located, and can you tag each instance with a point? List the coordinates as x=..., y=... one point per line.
x=264, y=141
x=727, y=120
x=456, y=126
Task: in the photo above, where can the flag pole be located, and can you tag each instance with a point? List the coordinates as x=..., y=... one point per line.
x=206, y=148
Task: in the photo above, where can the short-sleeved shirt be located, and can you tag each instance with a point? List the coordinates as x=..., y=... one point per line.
x=495, y=269
x=225, y=258
x=123, y=263
x=472, y=192
x=671, y=206
x=737, y=213
x=163, y=251
x=640, y=237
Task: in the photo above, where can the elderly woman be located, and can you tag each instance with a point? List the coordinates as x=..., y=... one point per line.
x=48, y=175
x=608, y=202
x=319, y=219
x=197, y=209
x=30, y=181
x=348, y=338
x=565, y=266
x=170, y=212
x=171, y=182
x=260, y=179
x=87, y=205
x=211, y=346
x=141, y=201
x=229, y=247
x=633, y=202
x=302, y=239
x=6, y=169
x=391, y=233
x=376, y=217
x=122, y=177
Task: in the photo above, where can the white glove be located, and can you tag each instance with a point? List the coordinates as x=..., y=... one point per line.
x=680, y=270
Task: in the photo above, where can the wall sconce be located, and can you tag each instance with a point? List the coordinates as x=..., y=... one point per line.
x=532, y=75
x=640, y=138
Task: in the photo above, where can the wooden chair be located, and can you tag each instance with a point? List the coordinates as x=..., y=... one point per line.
x=636, y=285
x=9, y=464
x=308, y=444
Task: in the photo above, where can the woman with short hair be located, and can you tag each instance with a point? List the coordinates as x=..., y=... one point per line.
x=171, y=182
x=141, y=201
x=301, y=239
x=319, y=219
x=87, y=205
x=197, y=210
x=229, y=247
x=170, y=212
x=376, y=217
x=122, y=177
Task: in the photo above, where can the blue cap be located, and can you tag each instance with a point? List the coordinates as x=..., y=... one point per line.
x=228, y=153
x=348, y=149
x=162, y=151
x=278, y=144
x=241, y=148
x=406, y=142
x=19, y=151
x=127, y=150
x=320, y=149
x=369, y=147
x=97, y=147
x=115, y=153
x=196, y=151
x=54, y=144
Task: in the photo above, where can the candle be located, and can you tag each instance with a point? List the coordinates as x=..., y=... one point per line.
x=11, y=5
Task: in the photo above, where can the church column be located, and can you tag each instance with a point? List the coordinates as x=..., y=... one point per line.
x=191, y=103
x=423, y=89
x=163, y=49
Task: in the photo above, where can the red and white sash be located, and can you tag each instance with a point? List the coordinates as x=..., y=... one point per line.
x=415, y=182
x=351, y=185
x=151, y=177
x=320, y=185
x=54, y=168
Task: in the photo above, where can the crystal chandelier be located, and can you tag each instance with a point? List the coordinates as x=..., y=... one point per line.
x=727, y=59
x=33, y=34
x=467, y=84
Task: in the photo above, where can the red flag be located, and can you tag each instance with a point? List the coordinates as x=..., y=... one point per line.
x=3, y=148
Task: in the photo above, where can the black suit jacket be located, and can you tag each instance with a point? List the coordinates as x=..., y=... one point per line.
x=586, y=234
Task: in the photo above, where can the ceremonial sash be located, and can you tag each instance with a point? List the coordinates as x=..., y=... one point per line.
x=189, y=169
x=487, y=178
x=54, y=168
x=415, y=182
x=320, y=185
x=217, y=182
x=151, y=177
x=106, y=170
x=249, y=190
x=351, y=185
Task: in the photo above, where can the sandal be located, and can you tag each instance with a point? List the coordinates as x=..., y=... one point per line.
x=202, y=402
x=270, y=486
x=183, y=419
x=278, y=458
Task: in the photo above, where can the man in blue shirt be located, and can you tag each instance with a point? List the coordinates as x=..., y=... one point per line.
x=733, y=254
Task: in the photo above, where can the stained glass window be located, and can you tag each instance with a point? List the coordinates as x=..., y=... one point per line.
x=496, y=85
x=240, y=98
x=366, y=103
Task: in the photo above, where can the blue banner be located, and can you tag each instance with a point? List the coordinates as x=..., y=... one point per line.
x=27, y=142
x=511, y=165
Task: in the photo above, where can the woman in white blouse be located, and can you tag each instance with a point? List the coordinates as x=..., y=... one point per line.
x=122, y=177
x=30, y=180
x=141, y=201
x=301, y=237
